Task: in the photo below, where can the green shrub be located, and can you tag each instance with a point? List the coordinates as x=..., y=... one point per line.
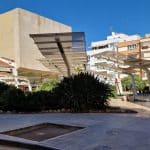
x=82, y=92
x=12, y=99
x=127, y=83
x=78, y=93
x=3, y=87
x=38, y=101
x=114, y=90
x=48, y=85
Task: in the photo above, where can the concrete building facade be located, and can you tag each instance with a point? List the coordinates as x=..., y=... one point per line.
x=136, y=50
x=15, y=43
x=129, y=55
x=137, y=57
x=103, y=58
x=101, y=48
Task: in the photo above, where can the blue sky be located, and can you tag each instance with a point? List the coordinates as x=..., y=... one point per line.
x=97, y=18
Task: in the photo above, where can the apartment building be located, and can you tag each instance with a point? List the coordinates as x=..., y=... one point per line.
x=131, y=49
x=103, y=58
x=138, y=51
x=145, y=47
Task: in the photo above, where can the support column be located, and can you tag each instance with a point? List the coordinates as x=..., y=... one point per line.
x=133, y=85
x=148, y=75
x=29, y=86
x=15, y=76
x=61, y=50
x=118, y=84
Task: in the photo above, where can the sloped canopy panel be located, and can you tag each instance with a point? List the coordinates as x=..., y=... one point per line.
x=138, y=62
x=63, y=51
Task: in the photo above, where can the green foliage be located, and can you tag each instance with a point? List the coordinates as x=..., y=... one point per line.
x=35, y=101
x=140, y=84
x=82, y=92
x=3, y=87
x=12, y=99
x=78, y=69
x=48, y=85
x=127, y=83
x=78, y=93
x=114, y=90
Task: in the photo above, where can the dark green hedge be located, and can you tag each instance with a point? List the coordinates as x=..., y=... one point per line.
x=77, y=93
x=12, y=99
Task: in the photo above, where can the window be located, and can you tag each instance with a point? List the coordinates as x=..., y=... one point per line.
x=88, y=58
x=111, y=45
x=94, y=48
x=99, y=47
x=131, y=47
x=103, y=46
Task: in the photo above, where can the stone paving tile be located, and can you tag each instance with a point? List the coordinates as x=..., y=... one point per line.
x=102, y=131
x=103, y=136
x=3, y=147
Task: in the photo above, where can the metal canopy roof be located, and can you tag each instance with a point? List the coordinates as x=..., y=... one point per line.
x=128, y=70
x=138, y=62
x=63, y=51
x=111, y=56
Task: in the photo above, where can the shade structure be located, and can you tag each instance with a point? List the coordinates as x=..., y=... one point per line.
x=106, y=65
x=113, y=56
x=64, y=53
x=128, y=70
x=138, y=63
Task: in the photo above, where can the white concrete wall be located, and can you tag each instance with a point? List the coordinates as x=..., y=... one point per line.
x=30, y=23
x=115, y=38
x=7, y=32
x=120, y=49
x=17, y=44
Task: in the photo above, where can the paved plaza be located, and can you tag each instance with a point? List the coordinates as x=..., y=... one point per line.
x=102, y=131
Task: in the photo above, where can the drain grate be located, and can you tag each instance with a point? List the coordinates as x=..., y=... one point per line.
x=42, y=131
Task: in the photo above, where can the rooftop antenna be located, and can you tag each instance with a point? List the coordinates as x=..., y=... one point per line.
x=111, y=29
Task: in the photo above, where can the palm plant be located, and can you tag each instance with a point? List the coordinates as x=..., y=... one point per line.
x=82, y=92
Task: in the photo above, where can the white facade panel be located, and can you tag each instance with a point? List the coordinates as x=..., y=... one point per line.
x=20, y=24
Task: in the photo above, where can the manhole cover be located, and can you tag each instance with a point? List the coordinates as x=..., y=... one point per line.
x=42, y=131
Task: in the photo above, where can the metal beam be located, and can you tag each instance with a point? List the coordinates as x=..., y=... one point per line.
x=63, y=55
x=68, y=41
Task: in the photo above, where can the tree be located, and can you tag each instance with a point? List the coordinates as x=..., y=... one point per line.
x=48, y=85
x=127, y=83
x=140, y=84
